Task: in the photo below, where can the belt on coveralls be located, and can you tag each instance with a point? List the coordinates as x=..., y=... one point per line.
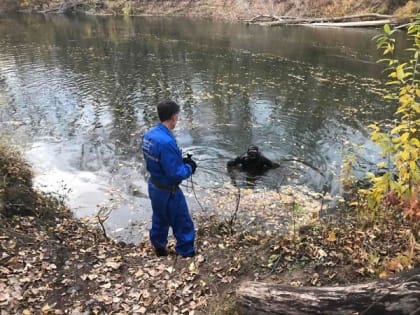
x=171, y=189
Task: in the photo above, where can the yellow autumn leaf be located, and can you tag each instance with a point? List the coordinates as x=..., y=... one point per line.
x=114, y=258
x=400, y=72
x=192, y=267
x=398, y=129
x=139, y=273
x=405, y=155
x=382, y=165
x=384, y=274
x=415, y=142
x=331, y=236
x=374, y=127
x=394, y=265
x=405, y=136
x=112, y=264
x=45, y=309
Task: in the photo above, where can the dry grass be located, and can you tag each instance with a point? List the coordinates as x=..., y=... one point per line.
x=411, y=8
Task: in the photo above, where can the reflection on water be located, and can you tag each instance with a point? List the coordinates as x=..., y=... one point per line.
x=78, y=92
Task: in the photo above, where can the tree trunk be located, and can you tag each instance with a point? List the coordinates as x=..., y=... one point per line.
x=397, y=295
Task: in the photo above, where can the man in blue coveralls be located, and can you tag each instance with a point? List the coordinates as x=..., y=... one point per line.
x=167, y=169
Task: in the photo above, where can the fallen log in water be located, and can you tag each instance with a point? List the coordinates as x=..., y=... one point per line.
x=397, y=295
x=367, y=16
x=354, y=24
x=265, y=18
x=291, y=19
x=360, y=20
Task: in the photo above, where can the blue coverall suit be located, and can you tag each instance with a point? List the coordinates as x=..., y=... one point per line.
x=167, y=170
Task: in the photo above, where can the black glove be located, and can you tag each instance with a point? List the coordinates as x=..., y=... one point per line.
x=234, y=162
x=190, y=161
x=231, y=163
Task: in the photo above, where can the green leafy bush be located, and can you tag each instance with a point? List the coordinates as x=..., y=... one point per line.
x=398, y=188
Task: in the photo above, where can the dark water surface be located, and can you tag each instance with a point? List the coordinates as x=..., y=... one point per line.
x=76, y=93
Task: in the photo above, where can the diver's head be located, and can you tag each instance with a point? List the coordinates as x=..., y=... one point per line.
x=252, y=151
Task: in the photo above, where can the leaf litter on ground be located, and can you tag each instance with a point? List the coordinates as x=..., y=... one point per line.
x=66, y=266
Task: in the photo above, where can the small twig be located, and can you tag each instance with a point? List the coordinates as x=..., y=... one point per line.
x=322, y=202
x=294, y=222
x=103, y=228
x=234, y=214
x=102, y=216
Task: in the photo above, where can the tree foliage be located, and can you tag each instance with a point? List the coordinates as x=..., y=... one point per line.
x=398, y=187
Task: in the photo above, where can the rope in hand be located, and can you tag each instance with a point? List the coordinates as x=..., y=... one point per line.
x=197, y=239
x=195, y=195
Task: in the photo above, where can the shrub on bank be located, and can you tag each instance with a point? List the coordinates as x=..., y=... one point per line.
x=16, y=193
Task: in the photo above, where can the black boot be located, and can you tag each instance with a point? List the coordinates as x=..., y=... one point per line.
x=161, y=252
x=189, y=255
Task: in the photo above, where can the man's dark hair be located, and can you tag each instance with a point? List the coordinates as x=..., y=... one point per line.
x=167, y=109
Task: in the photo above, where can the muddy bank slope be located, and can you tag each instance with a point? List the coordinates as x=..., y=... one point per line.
x=217, y=9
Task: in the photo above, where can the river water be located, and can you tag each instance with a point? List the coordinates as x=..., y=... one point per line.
x=77, y=93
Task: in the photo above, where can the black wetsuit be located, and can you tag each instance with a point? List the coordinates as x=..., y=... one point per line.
x=251, y=164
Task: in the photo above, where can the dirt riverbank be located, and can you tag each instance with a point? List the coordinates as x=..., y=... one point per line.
x=231, y=10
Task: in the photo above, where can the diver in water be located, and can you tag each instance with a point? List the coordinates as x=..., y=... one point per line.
x=252, y=161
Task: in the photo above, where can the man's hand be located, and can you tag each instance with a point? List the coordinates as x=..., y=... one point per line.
x=190, y=161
